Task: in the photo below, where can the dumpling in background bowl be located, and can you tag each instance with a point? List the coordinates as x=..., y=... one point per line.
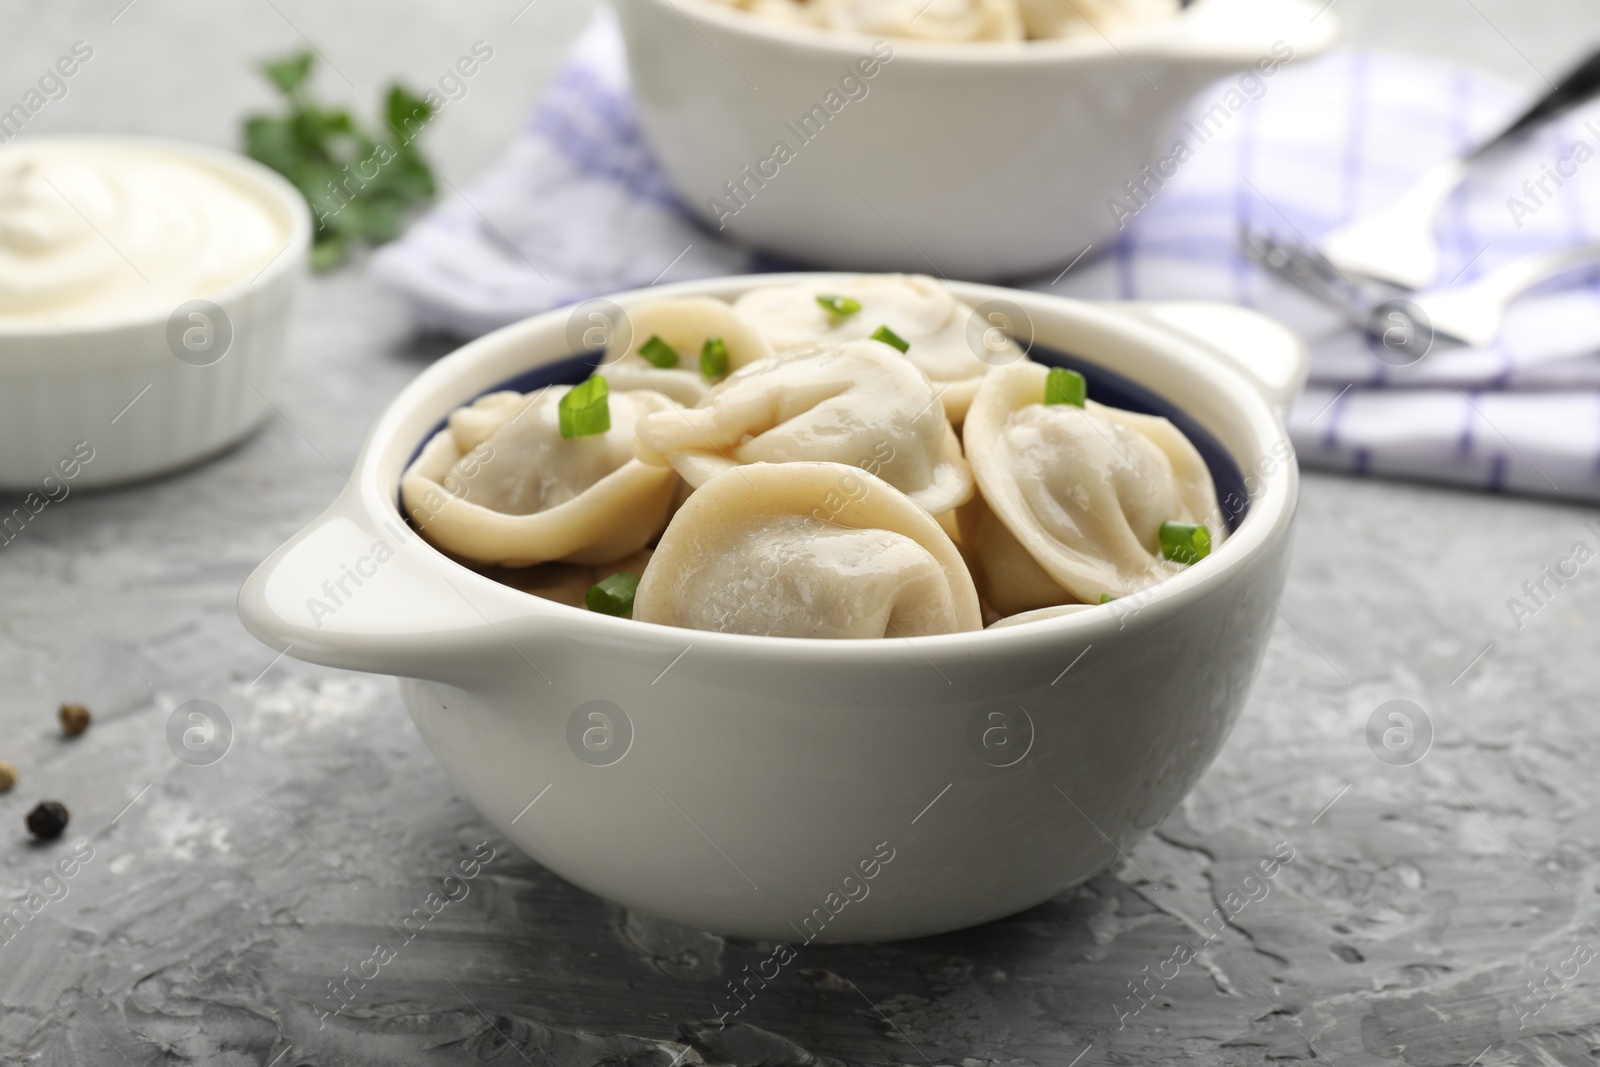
x=942, y=336
x=1071, y=18
x=783, y=10
x=928, y=20
x=806, y=550
x=1077, y=498
x=503, y=483
x=965, y=20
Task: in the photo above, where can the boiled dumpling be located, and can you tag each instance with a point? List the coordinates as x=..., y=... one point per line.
x=664, y=345
x=856, y=402
x=931, y=20
x=1038, y=615
x=1070, y=18
x=806, y=550
x=1073, y=498
x=944, y=341
x=501, y=485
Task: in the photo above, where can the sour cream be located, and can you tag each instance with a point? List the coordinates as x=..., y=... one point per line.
x=101, y=231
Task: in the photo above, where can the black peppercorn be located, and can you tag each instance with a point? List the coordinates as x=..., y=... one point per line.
x=75, y=719
x=47, y=820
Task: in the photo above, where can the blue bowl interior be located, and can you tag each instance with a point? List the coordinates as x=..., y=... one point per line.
x=1105, y=386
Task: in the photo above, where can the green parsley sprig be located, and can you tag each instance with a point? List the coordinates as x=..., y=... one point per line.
x=360, y=184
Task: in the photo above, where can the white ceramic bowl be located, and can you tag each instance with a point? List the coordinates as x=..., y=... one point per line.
x=976, y=160
x=117, y=385
x=758, y=775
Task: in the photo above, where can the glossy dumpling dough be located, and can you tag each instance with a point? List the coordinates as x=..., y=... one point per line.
x=944, y=341
x=930, y=20
x=685, y=324
x=806, y=550
x=858, y=403
x=501, y=485
x=1072, y=499
x=1071, y=18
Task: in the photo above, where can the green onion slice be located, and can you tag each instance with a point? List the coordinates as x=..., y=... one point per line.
x=838, y=306
x=614, y=595
x=658, y=353
x=714, y=358
x=1182, y=542
x=1064, y=386
x=1106, y=598
x=584, y=411
x=889, y=337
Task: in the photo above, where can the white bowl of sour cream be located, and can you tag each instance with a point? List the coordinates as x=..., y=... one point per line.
x=144, y=292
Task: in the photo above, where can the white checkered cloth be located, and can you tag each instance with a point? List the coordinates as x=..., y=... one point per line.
x=577, y=207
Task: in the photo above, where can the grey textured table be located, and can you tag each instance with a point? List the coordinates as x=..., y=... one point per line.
x=220, y=902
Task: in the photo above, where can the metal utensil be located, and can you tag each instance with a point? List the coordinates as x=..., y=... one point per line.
x=1470, y=314
x=1308, y=270
x=1474, y=313
x=1396, y=244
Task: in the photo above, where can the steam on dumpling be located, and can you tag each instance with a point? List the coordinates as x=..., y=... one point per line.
x=944, y=342
x=1071, y=18
x=500, y=484
x=1073, y=499
x=858, y=403
x=806, y=550
x=931, y=20
x=666, y=343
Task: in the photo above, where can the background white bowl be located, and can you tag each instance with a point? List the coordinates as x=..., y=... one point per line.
x=64, y=384
x=977, y=160
x=761, y=772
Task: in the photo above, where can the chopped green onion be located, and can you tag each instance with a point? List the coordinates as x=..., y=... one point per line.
x=839, y=306
x=584, y=411
x=658, y=353
x=614, y=595
x=1182, y=542
x=1064, y=386
x=889, y=337
x=713, y=358
x=1106, y=598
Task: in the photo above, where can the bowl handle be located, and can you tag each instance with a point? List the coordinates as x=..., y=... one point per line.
x=352, y=592
x=1270, y=355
